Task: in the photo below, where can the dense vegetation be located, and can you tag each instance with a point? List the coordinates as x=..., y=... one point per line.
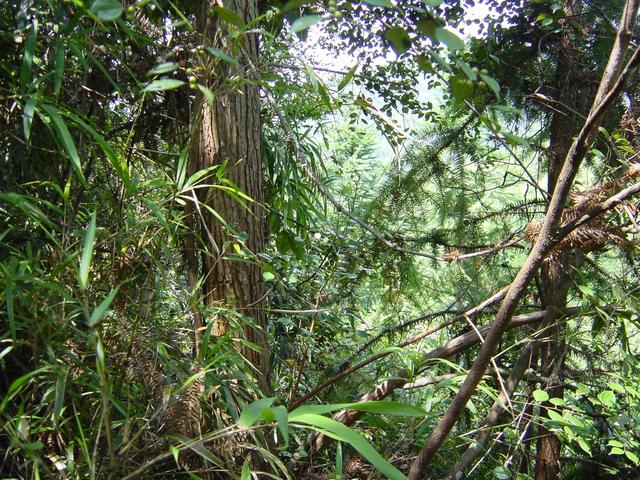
x=319, y=239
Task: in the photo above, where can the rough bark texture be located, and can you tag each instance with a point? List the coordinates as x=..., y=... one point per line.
x=227, y=132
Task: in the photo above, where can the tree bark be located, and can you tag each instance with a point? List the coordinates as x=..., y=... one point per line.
x=226, y=133
x=555, y=274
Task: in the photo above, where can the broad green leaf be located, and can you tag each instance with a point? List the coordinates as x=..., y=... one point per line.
x=380, y=407
x=607, y=397
x=27, y=116
x=540, y=395
x=584, y=445
x=87, y=252
x=631, y=456
x=226, y=15
x=253, y=411
x=65, y=138
x=166, y=67
x=555, y=416
x=163, y=84
x=216, y=52
x=399, y=39
x=282, y=421
x=493, y=85
x=616, y=451
x=101, y=309
x=268, y=276
x=107, y=10
x=615, y=443
x=450, y=39
x=305, y=22
x=515, y=139
x=341, y=432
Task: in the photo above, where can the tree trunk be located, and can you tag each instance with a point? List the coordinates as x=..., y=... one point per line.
x=555, y=274
x=226, y=133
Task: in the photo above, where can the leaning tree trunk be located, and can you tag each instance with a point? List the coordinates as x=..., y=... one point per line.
x=226, y=132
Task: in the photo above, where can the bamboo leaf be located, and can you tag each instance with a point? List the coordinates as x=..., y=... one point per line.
x=341, y=432
x=101, y=309
x=87, y=252
x=163, y=85
x=27, y=117
x=65, y=139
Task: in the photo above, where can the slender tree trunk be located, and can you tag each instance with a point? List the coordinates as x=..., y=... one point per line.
x=226, y=133
x=555, y=274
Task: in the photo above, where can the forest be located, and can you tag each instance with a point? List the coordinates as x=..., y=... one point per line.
x=319, y=239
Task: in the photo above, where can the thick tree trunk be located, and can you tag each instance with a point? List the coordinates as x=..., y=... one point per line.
x=227, y=133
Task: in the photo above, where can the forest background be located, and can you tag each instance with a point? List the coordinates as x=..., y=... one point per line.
x=212, y=266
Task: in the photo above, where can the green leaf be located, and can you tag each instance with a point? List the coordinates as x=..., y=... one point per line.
x=347, y=77
x=616, y=451
x=27, y=117
x=118, y=166
x=381, y=407
x=59, y=68
x=61, y=381
x=166, y=67
x=399, y=39
x=631, y=456
x=107, y=10
x=615, y=443
x=540, y=395
x=253, y=411
x=226, y=15
x=208, y=94
x=341, y=432
x=27, y=58
x=378, y=3
x=305, y=22
x=584, y=446
x=607, y=397
x=162, y=85
x=65, y=138
x=87, y=252
x=216, y=52
x=555, y=416
x=246, y=470
x=101, y=309
x=268, y=276
x=450, y=39
x=515, y=139
x=282, y=421
x=493, y=85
